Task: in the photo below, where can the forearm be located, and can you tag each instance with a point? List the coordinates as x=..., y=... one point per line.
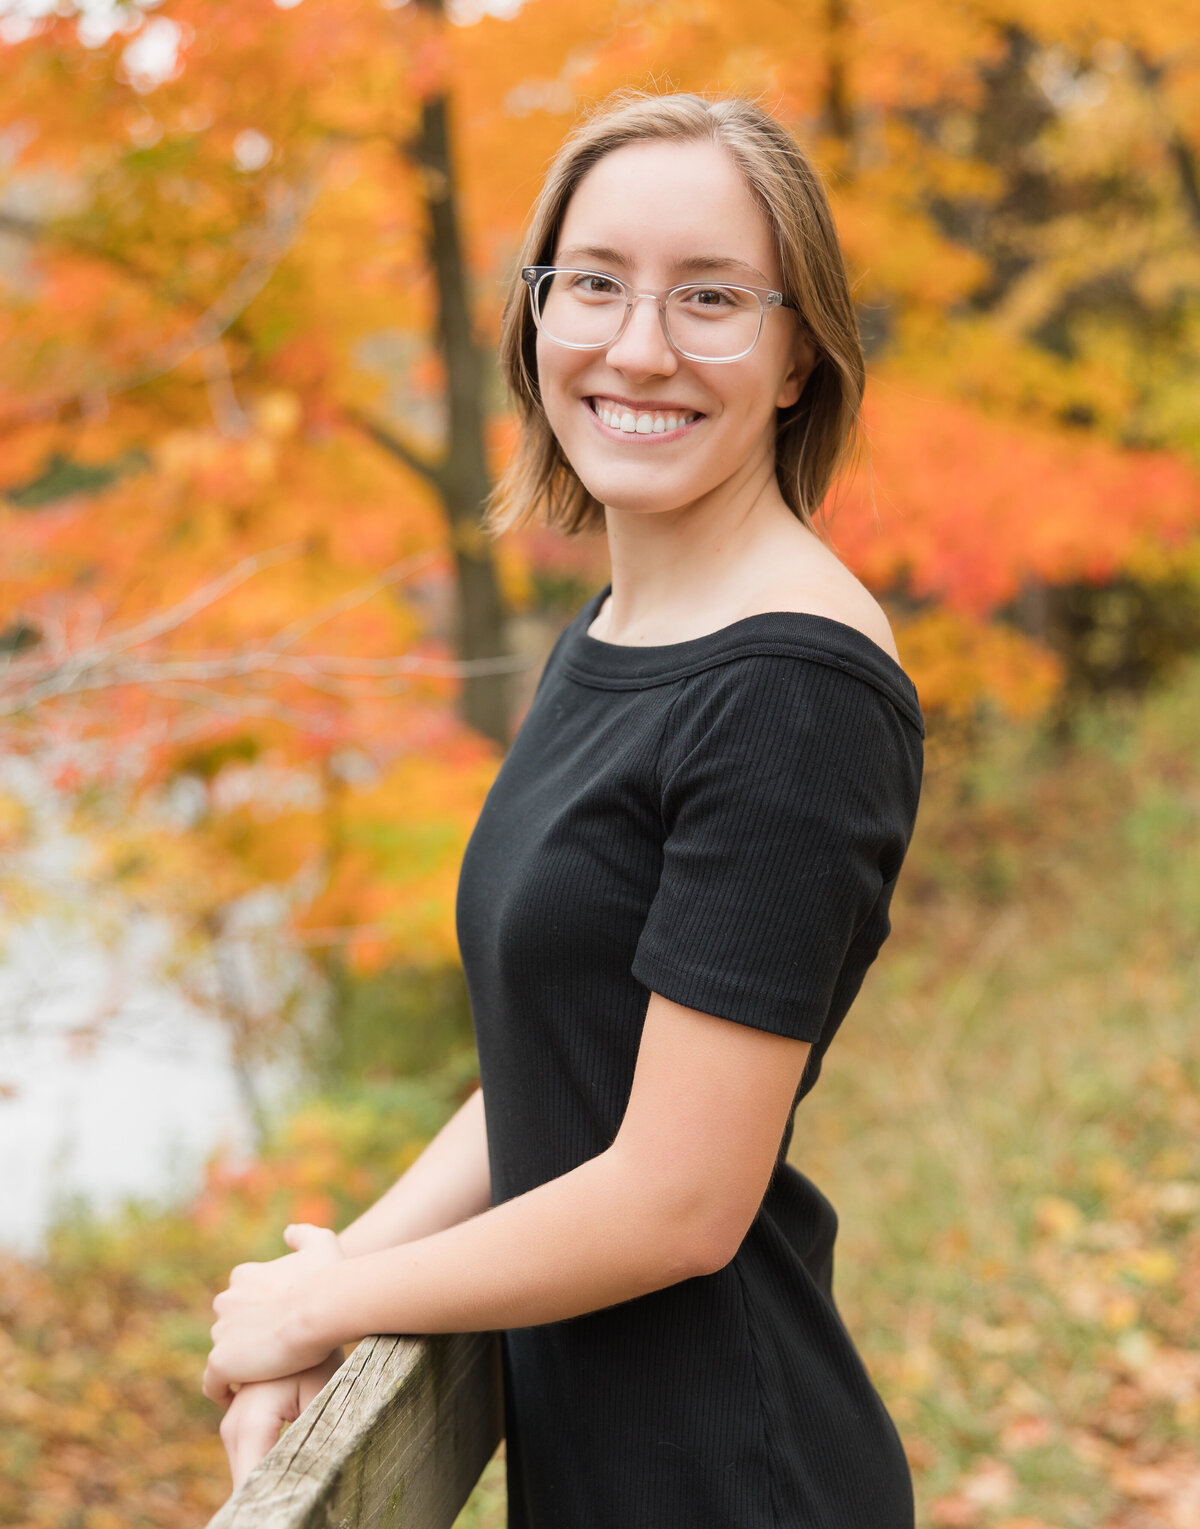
x=449, y=1183
x=670, y=1199
x=598, y=1235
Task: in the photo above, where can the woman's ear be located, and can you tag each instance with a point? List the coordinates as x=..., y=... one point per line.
x=804, y=360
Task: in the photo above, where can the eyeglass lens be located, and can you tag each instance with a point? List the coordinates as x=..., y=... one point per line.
x=710, y=322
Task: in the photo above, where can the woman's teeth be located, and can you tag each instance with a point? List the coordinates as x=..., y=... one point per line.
x=626, y=420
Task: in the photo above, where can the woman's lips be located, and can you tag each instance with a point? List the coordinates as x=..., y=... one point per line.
x=616, y=418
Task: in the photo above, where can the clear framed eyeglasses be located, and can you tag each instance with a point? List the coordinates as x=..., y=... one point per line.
x=703, y=321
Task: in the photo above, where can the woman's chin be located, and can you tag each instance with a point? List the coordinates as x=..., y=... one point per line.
x=635, y=492
x=631, y=505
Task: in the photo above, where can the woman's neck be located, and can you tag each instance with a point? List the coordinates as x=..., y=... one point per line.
x=682, y=573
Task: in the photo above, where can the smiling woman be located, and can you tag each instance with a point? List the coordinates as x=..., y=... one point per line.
x=675, y=887
x=747, y=209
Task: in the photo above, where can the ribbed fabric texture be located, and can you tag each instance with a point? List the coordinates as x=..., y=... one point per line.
x=721, y=821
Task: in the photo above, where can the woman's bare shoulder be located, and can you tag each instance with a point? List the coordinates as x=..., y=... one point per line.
x=821, y=585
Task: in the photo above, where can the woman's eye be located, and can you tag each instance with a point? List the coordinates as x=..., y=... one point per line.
x=711, y=297
x=595, y=286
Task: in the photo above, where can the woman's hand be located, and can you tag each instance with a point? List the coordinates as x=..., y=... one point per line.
x=257, y=1335
x=253, y=1420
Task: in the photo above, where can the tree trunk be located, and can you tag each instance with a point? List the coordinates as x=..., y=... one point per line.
x=462, y=476
x=839, y=114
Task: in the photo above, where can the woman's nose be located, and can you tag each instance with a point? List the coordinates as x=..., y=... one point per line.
x=642, y=346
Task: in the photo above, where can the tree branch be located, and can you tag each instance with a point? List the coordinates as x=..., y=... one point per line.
x=434, y=472
x=33, y=677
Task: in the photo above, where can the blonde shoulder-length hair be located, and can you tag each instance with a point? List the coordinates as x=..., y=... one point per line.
x=814, y=435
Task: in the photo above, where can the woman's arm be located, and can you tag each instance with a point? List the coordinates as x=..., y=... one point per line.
x=671, y=1198
x=450, y=1182
x=253, y=1420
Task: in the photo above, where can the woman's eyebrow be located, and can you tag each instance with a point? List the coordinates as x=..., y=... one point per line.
x=687, y=264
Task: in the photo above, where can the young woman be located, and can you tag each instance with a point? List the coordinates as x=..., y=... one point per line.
x=675, y=887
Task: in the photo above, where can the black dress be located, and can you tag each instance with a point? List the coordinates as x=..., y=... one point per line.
x=721, y=821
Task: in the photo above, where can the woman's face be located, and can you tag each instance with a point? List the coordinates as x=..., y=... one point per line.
x=647, y=213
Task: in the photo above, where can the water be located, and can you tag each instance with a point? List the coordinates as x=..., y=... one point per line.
x=114, y=1081
x=129, y=1103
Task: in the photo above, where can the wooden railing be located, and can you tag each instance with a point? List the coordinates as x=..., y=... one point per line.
x=396, y=1440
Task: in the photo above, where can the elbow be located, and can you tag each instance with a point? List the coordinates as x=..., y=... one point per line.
x=684, y=1226
x=690, y=1236
x=715, y=1244
x=678, y=1251
x=713, y=1221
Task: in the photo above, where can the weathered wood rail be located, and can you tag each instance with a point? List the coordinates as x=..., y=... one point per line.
x=396, y=1440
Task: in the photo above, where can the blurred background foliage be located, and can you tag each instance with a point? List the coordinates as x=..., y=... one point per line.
x=252, y=640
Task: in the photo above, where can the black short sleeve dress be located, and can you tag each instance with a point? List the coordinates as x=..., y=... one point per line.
x=721, y=821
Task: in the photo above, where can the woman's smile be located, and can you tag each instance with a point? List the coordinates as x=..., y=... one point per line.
x=644, y=421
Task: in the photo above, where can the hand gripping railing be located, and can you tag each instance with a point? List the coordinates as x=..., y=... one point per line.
x=396, y=1440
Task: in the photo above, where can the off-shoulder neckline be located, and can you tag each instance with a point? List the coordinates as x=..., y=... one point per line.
x=805, y=634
